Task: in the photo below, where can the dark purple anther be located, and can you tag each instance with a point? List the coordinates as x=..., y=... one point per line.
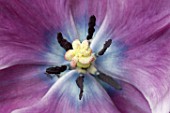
x=109, y=80
x=63, y=42
x=79, y=82
x=91, y=30
x=106, y=45
x=56, y=70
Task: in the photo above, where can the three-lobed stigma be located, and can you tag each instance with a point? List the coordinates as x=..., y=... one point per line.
x=81, y=55
x=81, y=58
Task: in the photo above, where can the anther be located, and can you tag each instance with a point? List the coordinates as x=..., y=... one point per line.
x=79, y=82
x=91, y=30
x=109, y=80
x=63, y=42
x=56, y=70
x=106, y=45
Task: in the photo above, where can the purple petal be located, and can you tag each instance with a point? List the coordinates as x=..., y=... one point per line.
x=30, y=30
x=110, y=63
x=131, y=21
x=63, y=97
x=142, y=31
x=13, y=53
x=81, y=12
x=21, y=86
x=129, y=99
x=33, y=20
x=146, y=67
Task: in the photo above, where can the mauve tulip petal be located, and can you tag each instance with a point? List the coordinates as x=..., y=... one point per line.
x=111, y=61
x=33, y=20
x=63, y=97
x=142, y=31
x=132, y=20
x=31, y=30
x=21, y=86
x=129, y=99
x=140, y=56
x=14, y=53
x=81, y=12
x=146, y=66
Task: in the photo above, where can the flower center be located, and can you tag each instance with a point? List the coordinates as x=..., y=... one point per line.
x=81, y=58
x=81, y=55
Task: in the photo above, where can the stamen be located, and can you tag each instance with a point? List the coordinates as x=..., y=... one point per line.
x=109, y=80
x=106, y=45
x=81, y=58
x=91, y=30
x=79, y=82
x=56, y=70
x=63, y=42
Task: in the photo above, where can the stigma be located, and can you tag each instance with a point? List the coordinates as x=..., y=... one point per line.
x=80, y=56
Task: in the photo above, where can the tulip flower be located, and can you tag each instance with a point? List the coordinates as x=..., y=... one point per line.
x=84, y=56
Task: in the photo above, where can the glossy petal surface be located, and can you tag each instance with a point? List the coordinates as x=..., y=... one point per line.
x=22, y=85
x=142, y=28
x=63, y=97
x=147, y=68
x=139, y=29
x=129, y=99
x=30, y=30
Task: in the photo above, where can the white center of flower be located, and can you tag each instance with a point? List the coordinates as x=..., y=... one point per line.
x=81, y=55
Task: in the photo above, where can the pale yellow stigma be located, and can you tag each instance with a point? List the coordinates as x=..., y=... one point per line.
x=81, y=55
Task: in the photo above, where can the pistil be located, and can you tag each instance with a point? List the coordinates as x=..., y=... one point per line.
x=81, y=58
x=81, y=55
